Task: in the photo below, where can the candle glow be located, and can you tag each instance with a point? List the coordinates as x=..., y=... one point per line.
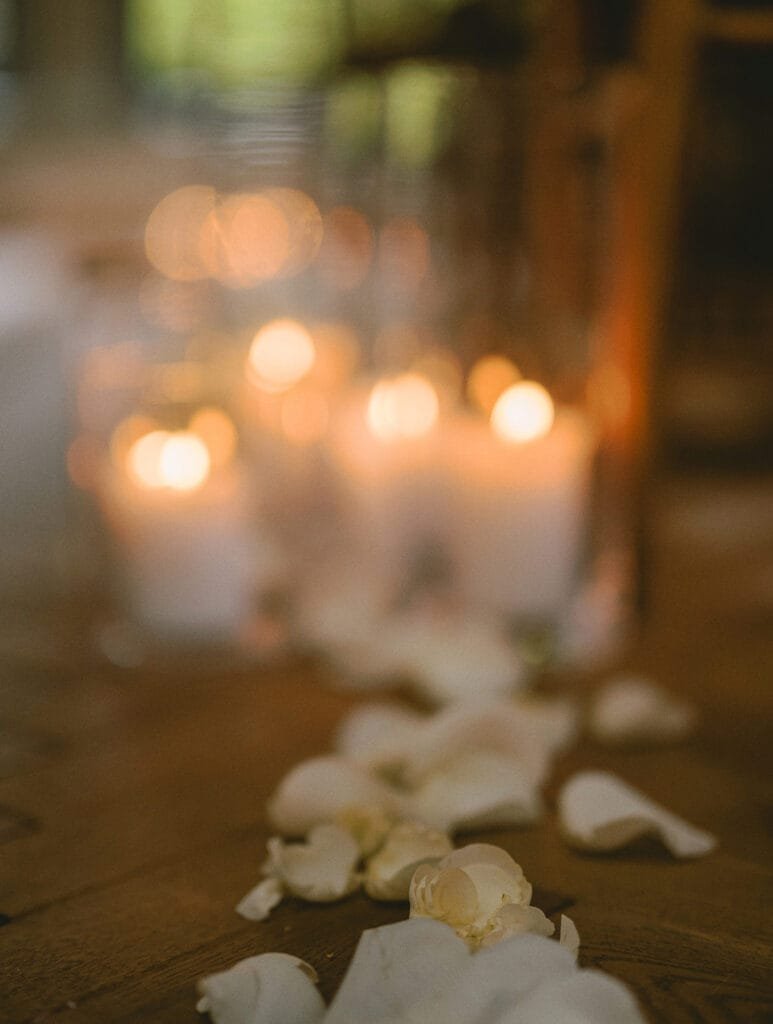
x=489, y=378
x=524, y=412
x=404, y=407
x=281, y=354
x=176, y=460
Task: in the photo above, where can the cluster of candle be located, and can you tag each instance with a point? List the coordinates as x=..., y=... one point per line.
x=503, y=496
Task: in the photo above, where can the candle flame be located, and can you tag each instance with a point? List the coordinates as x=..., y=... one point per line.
x=523, y=412
x=176, y=460
x=281, y=354
x=404, y=407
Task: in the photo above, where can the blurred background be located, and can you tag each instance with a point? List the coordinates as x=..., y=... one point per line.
x=580, y=188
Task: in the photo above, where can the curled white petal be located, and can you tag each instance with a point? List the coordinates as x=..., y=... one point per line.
x=273, y=988
x=568, y=935
x=584, y=997
x=394, y=968
x=598, y=811
x=634, y=710
x=469, y=890
x=479, y=789
x=389, y=872
x=317, y=790
x=260, y=901
x=320, y=870
x=515, y=919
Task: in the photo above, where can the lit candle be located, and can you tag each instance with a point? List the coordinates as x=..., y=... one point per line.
x=385, y=447
x=522, y=484
x=177, y=507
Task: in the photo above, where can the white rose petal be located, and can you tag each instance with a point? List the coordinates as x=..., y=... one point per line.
x=568, y=936
x=584, y=997
x=388, y=873
x=320, y=870
x=598, y=811
x=514, y=919
x=633, y=710
x=531, y=730
x=270, y=989
x=393, y=968
x=379, y=736
x=260, y=901
x=477, y=790
x=468, y=890
x=317, y=790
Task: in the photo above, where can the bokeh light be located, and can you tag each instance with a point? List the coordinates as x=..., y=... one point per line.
x=488, y=379
x=281, y=354
x=523, y=412
x=245, y=239
x=305, y=228
x=305, y=416
x=402, y=407
x=173, y=232
x=176, y=460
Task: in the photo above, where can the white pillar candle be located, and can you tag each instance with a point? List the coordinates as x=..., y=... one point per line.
x=386, y=447
x=187, y=556
x=521, y=509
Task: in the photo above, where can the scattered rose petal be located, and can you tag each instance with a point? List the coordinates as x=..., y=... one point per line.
x=369, y=826
x=477, y=790
x=379, y=736
x=468, y=889
x=318, y=790
x=633, y=710
x=388, y=873
x=529, y=729
x=320, y=870
x=270, y=989
x=393, y=968
x=568, y=936
x=584, y=997
x=260, y=901
x=598, y=811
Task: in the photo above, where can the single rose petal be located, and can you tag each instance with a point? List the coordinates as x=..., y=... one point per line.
x=477, y=790
x=273, y=988
x=379, y=736
x=393, y=968
x=260, y=901
x=568, y=936
x=388, y=873
x=632, y=710
x=317, y=790
x=320, y=870
x=584, y=997
x=598, y=811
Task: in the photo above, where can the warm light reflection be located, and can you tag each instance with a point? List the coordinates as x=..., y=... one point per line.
x=523, y=412
x=244, y=240
x=347, y=248
x=173, y=231
x=488, y=379
x=218, y=432
x=403, y=250
x=178, y=460
x=126, y=433
x=305, y=416
x=337, y=354
x=304, y=225
x=281, y=354
x=403, y=407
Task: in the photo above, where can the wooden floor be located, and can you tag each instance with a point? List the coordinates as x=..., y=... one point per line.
x=131, y=807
